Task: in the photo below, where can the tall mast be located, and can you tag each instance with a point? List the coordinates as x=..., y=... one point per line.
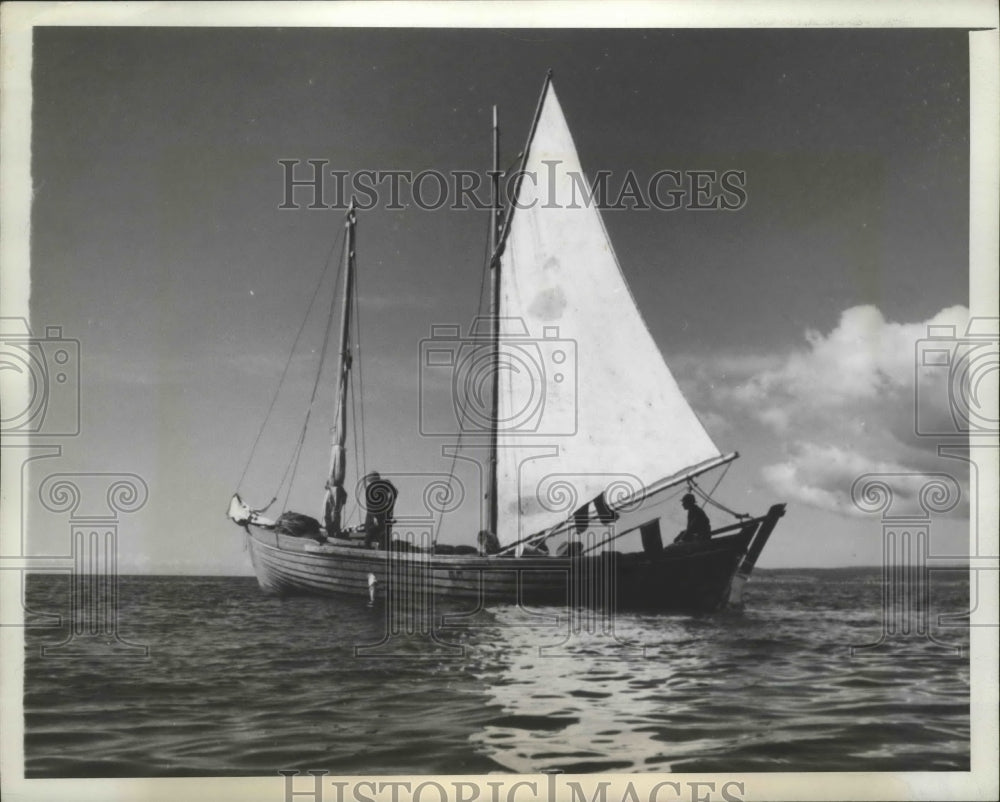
x=519, y=175
x=497, y=238
x=336, y=496
x=495, y=325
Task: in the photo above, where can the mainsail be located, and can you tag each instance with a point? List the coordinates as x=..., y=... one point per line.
x=585, y=398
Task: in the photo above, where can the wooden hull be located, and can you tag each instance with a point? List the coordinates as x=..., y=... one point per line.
x=690, y=576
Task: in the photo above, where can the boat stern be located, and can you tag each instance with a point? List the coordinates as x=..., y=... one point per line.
x=754, y=549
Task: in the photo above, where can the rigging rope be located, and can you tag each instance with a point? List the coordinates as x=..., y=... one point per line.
x=293, y=463
x=360, y=371
x=319, y=372
x=722, y=476
x=284, y=372
x=354, y=418
x=461, y=424
x=288, y=469
x=707, y=497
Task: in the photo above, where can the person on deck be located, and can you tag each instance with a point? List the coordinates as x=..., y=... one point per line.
x=489, y=543
x=380, y=501
x=699, y=527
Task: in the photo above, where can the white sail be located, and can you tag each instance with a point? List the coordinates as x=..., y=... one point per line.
x=585, y=398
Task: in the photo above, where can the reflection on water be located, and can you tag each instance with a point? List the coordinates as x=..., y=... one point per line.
x=239, y=683
x=579, y=704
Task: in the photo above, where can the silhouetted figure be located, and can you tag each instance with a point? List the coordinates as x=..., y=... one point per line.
x=699, y=527
x=380, y=501
x=488, y=542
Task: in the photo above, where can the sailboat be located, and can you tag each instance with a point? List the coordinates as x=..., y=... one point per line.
x=587, y=432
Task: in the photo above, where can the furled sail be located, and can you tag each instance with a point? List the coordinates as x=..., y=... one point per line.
x=586, y=402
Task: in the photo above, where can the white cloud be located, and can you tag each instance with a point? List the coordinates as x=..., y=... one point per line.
x=844, y=404
x=823, y=475
x=865, y=357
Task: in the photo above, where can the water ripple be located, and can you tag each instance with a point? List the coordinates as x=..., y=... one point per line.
x=239, y=683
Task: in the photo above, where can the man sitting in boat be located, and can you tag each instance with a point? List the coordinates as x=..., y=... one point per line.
x=380, y=500
x=698, y=527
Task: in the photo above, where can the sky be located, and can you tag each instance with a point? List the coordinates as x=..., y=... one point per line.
x=158, y=243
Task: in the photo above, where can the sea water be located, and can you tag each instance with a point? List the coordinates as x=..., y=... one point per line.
x=210, y=676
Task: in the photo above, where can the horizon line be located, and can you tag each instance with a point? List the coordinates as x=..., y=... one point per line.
x=946, y=564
